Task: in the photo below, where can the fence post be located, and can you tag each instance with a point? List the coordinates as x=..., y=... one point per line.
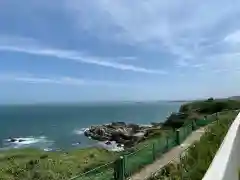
x=189, y=129
x=167, y=144
x=217, y=118
x=119, y=170
x=193, y=126
x=154, y=151
x=178, y=136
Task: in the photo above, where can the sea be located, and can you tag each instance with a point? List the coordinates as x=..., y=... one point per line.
x=57, y=127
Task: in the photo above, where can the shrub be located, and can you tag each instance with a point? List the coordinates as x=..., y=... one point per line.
x=197, y=158
x=210, y=106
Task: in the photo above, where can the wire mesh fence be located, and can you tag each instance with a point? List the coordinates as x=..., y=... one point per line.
x=193, y=162
x=177, y=169
x=148, y=154
x=138, y=160
x=128, y=164
x=104, y=172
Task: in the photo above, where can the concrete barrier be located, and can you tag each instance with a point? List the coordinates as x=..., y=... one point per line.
x=226, y=163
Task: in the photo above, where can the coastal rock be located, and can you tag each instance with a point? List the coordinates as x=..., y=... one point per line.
x=175, y=120
x=12, y=140
x=156, y=124
x=120, y=132
x=118, y=124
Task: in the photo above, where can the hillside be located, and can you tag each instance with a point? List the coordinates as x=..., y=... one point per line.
x=209, y=106
x=235, y=98
x=200, y=154
x=198, y=109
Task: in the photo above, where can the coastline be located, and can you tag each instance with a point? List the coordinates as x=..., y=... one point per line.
x=67, y=164
x=87, y=157
x=59, y=123
x=78, y=159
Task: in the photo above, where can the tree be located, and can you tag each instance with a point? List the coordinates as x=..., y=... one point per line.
x=210, y=99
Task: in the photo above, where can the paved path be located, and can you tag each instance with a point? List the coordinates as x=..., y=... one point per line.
x=173, y=154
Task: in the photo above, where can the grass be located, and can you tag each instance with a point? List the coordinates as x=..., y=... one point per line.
x=32, y=164
x=195, y=160
x=209, y=106
x=35, y=164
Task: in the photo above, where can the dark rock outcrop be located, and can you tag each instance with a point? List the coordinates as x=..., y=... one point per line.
x=175, y=120
x=12, y=140
x=122, y=133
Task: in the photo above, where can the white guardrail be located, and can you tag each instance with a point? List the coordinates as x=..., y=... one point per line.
x=226, y=163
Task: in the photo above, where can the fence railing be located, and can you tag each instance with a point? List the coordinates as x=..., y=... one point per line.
x=187, y=165
x=104, y=172
x=127, y=165
x=226, y=162
x=174, y=170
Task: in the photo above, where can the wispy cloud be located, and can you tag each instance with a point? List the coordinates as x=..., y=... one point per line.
x=233, y=37
x=167, y=23
x=189, y=34
x=125, y=59
x=223, y=63
x=131, y=41
x=35, y=49
x=73, y=81
x=184, y=63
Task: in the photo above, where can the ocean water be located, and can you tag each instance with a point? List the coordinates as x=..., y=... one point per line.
x=62, y=126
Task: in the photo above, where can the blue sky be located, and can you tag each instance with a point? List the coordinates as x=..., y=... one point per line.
x=105, y=50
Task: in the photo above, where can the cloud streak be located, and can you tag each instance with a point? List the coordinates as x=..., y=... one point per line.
x=233, y=37
x=190, y=35
x=152, y=21
x=78, y=57
x=72, y=81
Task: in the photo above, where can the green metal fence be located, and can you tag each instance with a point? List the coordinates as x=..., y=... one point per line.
x=104, y=172
x=185, y=131
x=175, y=170
x=186, y=165
x=138, y=159
x=128, y=164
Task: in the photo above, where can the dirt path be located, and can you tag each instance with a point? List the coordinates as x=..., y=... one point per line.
x=169, y=156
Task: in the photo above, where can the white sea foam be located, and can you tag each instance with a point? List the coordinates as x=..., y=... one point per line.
x=47, y=149
x=80, y=131
x=20, y=142
x=113, y=146
x=145, y=125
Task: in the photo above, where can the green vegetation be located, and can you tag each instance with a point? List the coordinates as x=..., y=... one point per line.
x=31, y=164
x=209, y=106
x=198, y=110
x=195, y=161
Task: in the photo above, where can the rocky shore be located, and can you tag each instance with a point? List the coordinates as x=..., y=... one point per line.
x=128, y=135
x=120, y=132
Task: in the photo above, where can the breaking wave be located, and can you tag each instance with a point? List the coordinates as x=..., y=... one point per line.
x=22, y=142
x=80, y=131
x=110, y=146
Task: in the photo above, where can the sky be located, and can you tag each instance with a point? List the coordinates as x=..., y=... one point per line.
x=121, y=50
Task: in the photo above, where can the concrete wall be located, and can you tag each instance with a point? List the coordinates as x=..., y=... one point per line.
x=226, y=163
